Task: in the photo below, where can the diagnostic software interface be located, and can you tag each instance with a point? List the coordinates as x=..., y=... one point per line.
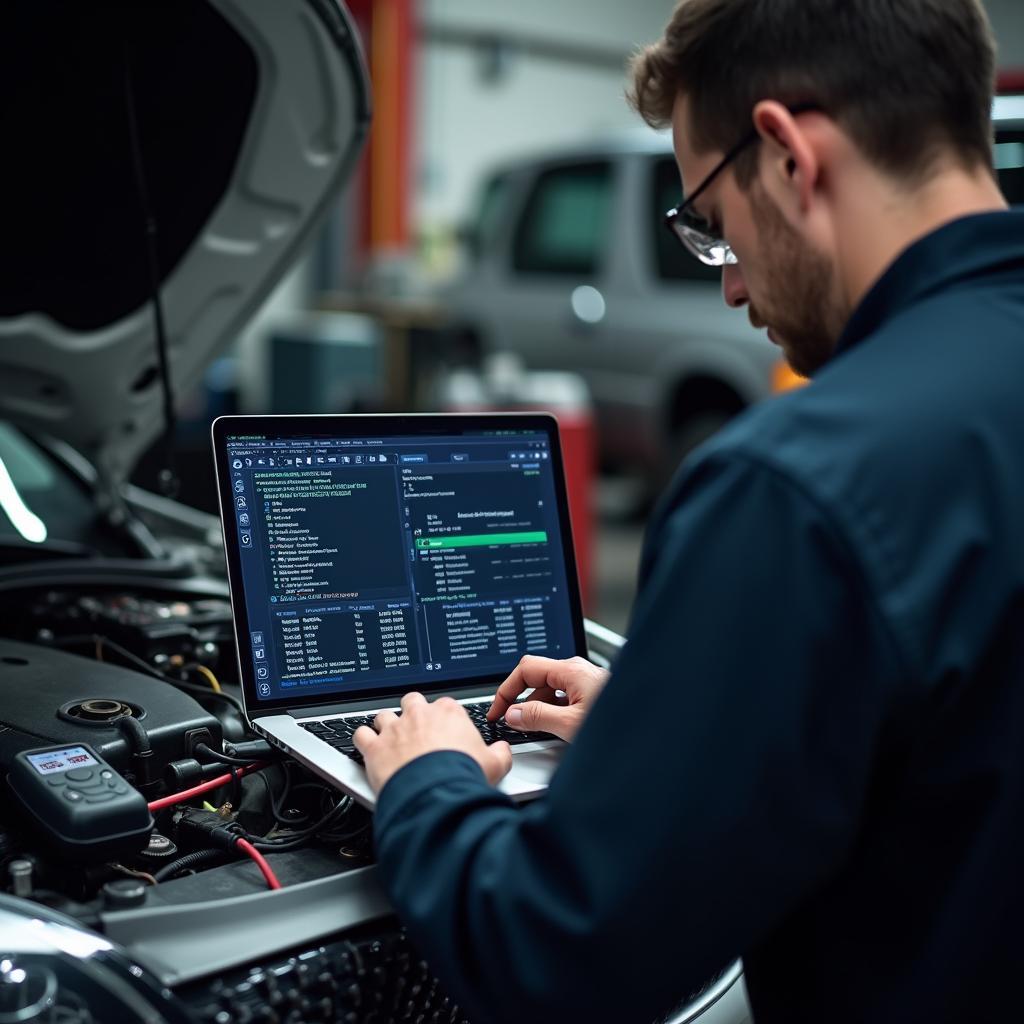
x=379, y=563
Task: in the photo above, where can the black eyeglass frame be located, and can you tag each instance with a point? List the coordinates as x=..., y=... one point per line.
x=672, y=217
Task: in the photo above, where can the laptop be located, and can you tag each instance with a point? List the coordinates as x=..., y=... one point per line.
x=369, y=556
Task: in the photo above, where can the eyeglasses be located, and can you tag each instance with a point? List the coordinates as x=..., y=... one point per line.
x=692, y=230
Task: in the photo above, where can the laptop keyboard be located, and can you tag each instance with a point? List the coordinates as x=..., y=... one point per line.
x=338, y=731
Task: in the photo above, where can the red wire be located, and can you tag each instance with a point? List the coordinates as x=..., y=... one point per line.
x=261, y=862
x=204, y=787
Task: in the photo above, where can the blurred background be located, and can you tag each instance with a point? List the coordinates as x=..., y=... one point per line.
x=501, y=247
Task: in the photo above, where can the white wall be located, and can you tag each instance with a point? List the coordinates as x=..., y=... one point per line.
x=464, y=124
x=1008, y=22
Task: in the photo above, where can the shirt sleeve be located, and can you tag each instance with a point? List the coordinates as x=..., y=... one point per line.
x=717, y=782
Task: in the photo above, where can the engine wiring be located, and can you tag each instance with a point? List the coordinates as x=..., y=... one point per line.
x=103, y=643
x=206, y=673
x=261, y=862
x=295, y=811
x=203, y=787
x=291, y=828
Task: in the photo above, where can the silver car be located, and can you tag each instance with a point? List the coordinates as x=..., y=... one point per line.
x=571, y=268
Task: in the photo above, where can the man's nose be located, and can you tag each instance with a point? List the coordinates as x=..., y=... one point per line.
x=734, y=288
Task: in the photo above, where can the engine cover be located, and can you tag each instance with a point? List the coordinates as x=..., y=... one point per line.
x=52, y=697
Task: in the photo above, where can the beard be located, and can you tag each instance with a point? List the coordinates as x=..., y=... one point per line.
x=798, y=284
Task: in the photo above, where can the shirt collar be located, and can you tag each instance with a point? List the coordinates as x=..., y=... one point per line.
x=976, y=244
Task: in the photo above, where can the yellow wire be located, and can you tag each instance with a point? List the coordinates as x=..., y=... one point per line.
x=209, y=807
x=210, y=677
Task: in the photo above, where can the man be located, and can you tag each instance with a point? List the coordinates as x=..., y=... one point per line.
x=811, y=751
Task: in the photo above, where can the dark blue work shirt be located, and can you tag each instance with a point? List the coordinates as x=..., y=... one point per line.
x=811, y=750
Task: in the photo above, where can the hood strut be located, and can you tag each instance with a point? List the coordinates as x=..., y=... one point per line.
x=169, y=480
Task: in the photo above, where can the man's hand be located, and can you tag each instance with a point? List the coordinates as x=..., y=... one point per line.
x=422, y=729
x=544, y=710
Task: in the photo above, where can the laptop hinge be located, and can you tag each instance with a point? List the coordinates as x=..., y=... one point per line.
x=365, y=704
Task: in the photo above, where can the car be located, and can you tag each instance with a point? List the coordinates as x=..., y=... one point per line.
x=569, y=267
x=164, y=165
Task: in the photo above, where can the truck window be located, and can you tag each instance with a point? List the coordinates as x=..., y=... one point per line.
x=672, y=261
x=1009, y=161
x=488, y=211
x=565, y=225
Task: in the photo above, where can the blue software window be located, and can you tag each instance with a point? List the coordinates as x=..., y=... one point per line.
x=379, y=563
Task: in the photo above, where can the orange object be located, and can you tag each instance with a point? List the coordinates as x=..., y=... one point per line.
x=385, y=176
x=785, y=378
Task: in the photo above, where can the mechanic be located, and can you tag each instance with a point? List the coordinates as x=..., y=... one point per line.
x=811, y=751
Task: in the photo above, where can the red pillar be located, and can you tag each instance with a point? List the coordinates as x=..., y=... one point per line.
x=388, y=29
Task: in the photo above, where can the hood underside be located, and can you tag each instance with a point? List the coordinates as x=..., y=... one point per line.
x=211, y=133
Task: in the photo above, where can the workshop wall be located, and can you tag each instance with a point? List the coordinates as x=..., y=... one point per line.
x=501, y=80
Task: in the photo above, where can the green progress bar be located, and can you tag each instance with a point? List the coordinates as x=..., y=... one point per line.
x=479, y=540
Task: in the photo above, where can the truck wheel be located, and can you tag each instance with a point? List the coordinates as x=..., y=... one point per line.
x=687, y=436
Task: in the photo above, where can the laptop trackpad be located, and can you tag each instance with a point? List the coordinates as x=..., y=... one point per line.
x=532, y=770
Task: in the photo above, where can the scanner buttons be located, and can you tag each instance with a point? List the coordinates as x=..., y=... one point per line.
x=91, y=786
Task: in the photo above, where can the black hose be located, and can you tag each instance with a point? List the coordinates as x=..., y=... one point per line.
x=215, y=755
x=190, y=860
x=136, y=734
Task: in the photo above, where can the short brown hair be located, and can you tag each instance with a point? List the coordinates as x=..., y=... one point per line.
x=907, y=79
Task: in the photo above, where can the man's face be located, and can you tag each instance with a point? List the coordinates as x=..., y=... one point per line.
x=787, y=285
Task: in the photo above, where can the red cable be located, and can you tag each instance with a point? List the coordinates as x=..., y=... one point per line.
x=203, y=787
x=261, y=862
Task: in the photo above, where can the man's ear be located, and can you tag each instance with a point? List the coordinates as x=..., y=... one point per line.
x=788, y=156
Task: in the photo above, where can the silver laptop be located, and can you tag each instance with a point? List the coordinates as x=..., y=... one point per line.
x=369, y=556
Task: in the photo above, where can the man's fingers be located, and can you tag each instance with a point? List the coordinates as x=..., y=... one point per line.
x=384, y=720
x=364, y=738
x=499, y=762
x=411, y=700
x=530, y=673
x=540, y=716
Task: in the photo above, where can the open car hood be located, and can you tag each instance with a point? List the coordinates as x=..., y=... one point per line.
x=248, y=117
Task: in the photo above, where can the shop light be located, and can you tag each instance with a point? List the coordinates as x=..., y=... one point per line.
x=22, y=518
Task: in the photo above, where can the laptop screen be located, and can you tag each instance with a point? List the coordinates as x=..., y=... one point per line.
x=373, y=555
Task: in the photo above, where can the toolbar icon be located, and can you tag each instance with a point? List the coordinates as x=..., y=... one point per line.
x=243, y=519
x=237, y=464
x=246, y=539
x=264, y=689
x=262, y=672
x=248, y=462
x=259, y=653
x=240, y=502
x=257, y=638
x=239, y=486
